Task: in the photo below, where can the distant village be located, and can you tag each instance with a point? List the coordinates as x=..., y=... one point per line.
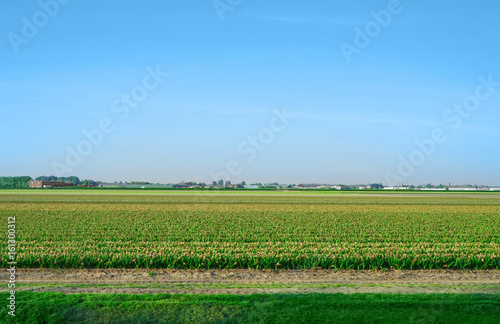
x=53, y=182
x=47, y=182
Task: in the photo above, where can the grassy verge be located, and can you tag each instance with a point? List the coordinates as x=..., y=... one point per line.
x=308, y=308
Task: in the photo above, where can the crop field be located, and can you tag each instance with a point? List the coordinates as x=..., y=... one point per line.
x=257, y=232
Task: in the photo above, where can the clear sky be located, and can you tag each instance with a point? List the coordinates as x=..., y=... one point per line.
x=364, y=80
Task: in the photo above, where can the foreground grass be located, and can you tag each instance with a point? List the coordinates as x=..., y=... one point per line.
x=307, y=308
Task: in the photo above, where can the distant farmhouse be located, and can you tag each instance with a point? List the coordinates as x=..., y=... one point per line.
x=50, y=184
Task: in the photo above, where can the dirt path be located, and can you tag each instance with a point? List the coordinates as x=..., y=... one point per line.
x=141, y=281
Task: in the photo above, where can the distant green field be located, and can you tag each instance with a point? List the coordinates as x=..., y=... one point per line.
x=307, y=308
x=245, y=231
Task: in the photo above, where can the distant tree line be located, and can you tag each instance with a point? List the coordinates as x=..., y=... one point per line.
x=75, y=180
x=15, y=182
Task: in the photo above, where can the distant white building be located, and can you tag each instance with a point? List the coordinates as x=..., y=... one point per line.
x=494, y=189
x=251, y=186
x=433, y=189
x=464, y=188
x=397, y=188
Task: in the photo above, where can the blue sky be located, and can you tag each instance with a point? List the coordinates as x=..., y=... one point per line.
x=354, y=122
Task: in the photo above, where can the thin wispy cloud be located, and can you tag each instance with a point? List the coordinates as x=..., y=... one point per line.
x=238, y=112
x=298, y=18
x=365, y=119
x=328, y=20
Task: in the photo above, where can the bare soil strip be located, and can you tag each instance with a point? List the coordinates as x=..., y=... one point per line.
x=235, y=281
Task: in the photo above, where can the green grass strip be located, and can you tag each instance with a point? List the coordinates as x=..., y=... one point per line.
x=307, y=308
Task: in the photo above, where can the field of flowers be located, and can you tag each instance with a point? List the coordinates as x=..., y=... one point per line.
x=188, y=232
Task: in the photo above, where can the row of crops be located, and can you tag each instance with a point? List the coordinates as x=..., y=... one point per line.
x=126, y=231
